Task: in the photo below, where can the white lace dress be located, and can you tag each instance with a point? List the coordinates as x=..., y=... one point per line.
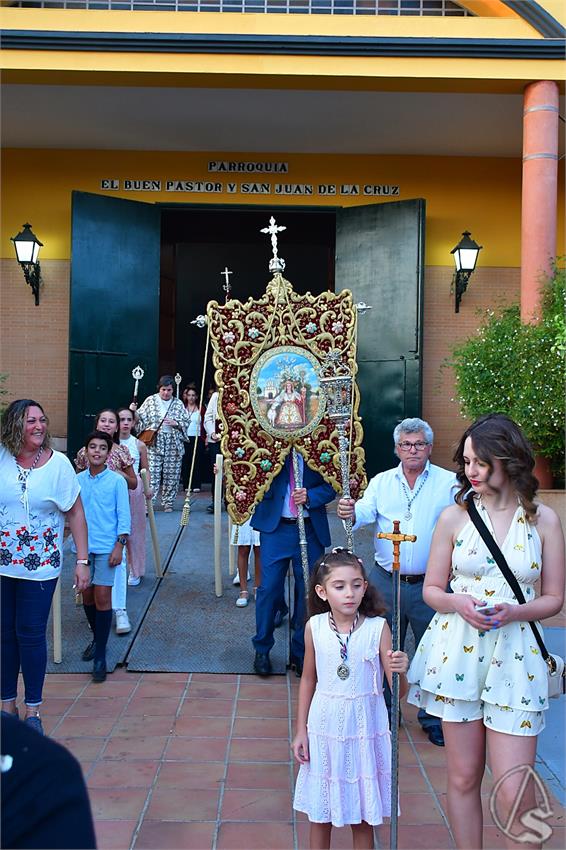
x=348, y=777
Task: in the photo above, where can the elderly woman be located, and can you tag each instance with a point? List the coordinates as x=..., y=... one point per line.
x=167, y=416
x=39, y=490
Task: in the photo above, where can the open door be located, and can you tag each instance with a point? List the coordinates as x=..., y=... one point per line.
x=114, y=321
x=380, y=257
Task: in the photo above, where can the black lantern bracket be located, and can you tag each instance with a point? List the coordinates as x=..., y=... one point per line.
x=27, y=245
x=465, y=255
x=460, y=283
x=32, y=274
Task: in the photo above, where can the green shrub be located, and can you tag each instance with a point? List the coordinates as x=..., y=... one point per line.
x=519, y=369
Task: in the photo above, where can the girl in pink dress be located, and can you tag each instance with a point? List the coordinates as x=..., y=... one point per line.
x=343, y=742
x=135, y=547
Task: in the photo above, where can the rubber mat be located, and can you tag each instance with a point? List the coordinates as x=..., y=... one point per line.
x=188, y=628
x=75, y=631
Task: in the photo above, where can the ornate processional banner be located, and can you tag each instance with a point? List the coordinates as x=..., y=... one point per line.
x=268, y=355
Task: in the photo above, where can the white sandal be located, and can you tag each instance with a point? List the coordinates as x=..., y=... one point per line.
x=242, y=599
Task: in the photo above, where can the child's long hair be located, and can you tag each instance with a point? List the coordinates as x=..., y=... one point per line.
x=372, y=605
x=133, y=431
x=115, y=437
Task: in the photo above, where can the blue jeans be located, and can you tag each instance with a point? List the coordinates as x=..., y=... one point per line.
x=278, y=548
x=25, y=610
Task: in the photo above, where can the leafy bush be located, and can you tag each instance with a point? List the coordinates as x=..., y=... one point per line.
x=519, y=369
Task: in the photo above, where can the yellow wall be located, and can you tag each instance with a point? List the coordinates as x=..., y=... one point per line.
x=478, y=194
x=507, y=24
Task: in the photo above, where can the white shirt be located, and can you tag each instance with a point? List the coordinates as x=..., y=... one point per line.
x=132, y=445
x=211, y=416
x=32, y=524
x=385, y=500
x=163, y=413
x=194, y=422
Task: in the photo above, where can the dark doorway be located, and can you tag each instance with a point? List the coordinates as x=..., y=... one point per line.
x=198, y=243
x=152, y=287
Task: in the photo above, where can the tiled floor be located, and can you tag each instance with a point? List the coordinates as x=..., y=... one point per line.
x=203, y=762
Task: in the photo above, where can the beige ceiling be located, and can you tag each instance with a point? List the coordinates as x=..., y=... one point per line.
x=239, y=120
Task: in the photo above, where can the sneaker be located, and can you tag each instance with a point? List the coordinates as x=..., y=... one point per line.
x=34, y=721
x=242, y=599
x=122, y=622
x=196, y=489
x=133, y=581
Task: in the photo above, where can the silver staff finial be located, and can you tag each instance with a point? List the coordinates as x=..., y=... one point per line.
x=227, y=287
x=200, y=321
x=276, y=264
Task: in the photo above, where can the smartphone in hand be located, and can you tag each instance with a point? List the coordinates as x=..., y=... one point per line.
x=487, y=608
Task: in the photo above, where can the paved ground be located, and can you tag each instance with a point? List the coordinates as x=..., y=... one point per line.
x=202, y=761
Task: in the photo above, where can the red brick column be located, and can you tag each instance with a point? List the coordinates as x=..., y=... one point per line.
x=540, y=179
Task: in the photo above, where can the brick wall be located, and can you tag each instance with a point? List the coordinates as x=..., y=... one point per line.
x=443, y=327
x=34, y=340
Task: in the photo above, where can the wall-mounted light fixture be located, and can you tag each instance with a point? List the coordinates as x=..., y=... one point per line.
x=27, y=247
x=465, y=259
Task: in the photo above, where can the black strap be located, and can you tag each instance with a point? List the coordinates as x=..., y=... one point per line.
x=493, y=547
x=164, y=417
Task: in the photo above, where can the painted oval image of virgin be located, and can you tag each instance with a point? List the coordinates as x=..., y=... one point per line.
x=285, y=392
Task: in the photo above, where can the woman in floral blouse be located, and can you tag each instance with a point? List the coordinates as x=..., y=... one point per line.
x=39, y=490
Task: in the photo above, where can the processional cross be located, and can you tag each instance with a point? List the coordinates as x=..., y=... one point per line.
x=227, y=287
x=277, y=263
x=397, y=537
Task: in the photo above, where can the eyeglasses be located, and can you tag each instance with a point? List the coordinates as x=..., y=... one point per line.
x=406, y=446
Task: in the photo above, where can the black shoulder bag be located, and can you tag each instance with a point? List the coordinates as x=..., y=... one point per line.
x=555, y=664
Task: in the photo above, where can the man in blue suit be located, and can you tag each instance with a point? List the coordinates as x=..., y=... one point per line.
x=276, y=520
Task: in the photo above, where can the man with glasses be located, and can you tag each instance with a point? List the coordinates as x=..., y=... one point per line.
x=414, y=492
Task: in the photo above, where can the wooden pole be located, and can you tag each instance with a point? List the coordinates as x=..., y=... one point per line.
x=218, y=524
x=152, y=526
x=56, y=613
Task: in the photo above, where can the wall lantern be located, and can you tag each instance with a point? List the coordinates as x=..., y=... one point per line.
x=27, y=247
x=465, y=259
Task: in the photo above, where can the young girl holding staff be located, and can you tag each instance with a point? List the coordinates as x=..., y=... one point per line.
x=135, y=547
x=343, y=741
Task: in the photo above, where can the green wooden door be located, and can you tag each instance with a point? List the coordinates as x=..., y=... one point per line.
x=380, y=257
x=114, y=320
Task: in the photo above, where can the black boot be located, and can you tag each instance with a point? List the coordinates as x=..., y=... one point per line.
x=262, y=664
x=88, y=653
x=99, y=671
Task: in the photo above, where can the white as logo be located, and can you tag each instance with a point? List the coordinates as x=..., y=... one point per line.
x=536, y=830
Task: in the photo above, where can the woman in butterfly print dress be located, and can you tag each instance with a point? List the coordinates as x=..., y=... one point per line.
x=483, y=674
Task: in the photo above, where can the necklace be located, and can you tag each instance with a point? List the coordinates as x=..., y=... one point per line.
x=343, y=671
x=410, y=500
x=24, y=473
